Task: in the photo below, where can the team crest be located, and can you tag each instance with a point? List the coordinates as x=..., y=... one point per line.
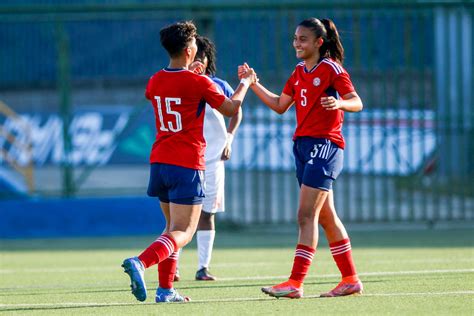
x=316, y=81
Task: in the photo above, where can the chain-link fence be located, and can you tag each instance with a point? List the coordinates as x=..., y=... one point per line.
x=75, y=75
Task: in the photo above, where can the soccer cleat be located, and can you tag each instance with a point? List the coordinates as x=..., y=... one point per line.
x=343, y=289
x=169, y=296
x=176, y=277
x=135, y=269
x=204, y=275
x=285, y=289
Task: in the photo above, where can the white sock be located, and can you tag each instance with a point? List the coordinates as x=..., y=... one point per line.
x=205, y=243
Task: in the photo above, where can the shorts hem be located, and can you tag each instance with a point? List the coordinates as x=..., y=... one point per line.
x=214, y=211
x=318, y=187
x=183, y=201
x=323, y=189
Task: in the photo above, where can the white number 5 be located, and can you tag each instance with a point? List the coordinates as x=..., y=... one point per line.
x=177, y=115
x=303, y=97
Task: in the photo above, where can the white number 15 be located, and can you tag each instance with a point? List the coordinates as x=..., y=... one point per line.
x=169, y=124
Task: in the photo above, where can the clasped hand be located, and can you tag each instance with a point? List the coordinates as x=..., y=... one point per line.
x=245, y=71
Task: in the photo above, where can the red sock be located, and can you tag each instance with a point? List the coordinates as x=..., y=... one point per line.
x=303, y=258
x=167, y=270
x=158, y=251
x=342, y=254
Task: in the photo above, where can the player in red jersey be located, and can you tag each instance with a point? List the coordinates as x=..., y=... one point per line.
x=179, y=97
x=314, y=89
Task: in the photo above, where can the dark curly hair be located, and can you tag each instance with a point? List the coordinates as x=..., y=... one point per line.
x=206, y=48
x=176, y=37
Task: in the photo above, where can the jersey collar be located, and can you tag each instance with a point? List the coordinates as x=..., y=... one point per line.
x=314, y=67
x=174, y=69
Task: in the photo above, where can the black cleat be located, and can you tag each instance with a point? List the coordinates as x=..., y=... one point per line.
x=204, y=275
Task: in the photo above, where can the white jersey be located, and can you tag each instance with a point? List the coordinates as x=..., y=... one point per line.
x=215, y=130
x=215, y=133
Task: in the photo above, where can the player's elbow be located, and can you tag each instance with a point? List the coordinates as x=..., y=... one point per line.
x=280, y=106
x=281, y=110
x=360, y=106
x=234, y=109
x=230, y=107
x=354, y=103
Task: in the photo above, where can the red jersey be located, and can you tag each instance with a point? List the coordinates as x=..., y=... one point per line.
x=327, y=78
x=179, y=99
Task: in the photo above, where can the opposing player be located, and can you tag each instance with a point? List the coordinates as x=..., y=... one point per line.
x=314, y=88
x=218, y=149
x=179, y=97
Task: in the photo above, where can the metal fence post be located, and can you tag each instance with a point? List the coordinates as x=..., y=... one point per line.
x=64, y=91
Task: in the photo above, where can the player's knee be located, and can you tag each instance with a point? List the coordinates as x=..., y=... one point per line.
x=188, y=236
x=205, y=217
x=331, y=224
x=188, y=239
x=305, y=218
x=326, y=220
x=206, y=221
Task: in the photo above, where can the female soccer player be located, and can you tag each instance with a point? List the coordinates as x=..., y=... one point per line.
x=179, y=97
x=318, y=148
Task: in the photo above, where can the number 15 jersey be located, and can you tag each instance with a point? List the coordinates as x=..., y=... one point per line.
x=179, y=100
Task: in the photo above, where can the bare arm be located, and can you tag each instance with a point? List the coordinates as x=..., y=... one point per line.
x=350, y=102
x=234, y=122
x=230, y=106
x=233, y=125
x=279, y=104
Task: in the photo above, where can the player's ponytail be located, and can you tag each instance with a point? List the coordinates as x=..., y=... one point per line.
x=326, y=29
x=332, y=46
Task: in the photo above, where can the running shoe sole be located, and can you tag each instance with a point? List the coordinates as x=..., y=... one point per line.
x=137, y=282
x=288, y=294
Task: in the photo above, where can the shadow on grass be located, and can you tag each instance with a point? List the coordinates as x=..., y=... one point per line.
x=151, y=290
x=70, y=306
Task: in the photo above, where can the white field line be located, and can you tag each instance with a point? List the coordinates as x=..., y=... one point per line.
x=276, y=277
x=382, y=273
x=217, y=265
x=223, y=300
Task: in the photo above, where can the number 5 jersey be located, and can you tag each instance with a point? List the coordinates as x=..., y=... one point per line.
x=327, y=78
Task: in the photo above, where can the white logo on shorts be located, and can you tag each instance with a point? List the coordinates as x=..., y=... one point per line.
x=316, y=81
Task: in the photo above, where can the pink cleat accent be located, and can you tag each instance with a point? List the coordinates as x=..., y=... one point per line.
x=285, y=289
x=204, y=275
x=343, y=289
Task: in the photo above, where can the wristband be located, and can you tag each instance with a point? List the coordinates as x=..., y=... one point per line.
x=230, y=139
x=245, y=82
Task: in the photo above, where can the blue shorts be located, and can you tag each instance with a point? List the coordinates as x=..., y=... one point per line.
x=176, y=184
x=318, y=162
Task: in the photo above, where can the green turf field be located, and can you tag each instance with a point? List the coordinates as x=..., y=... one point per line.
x=404, y=272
